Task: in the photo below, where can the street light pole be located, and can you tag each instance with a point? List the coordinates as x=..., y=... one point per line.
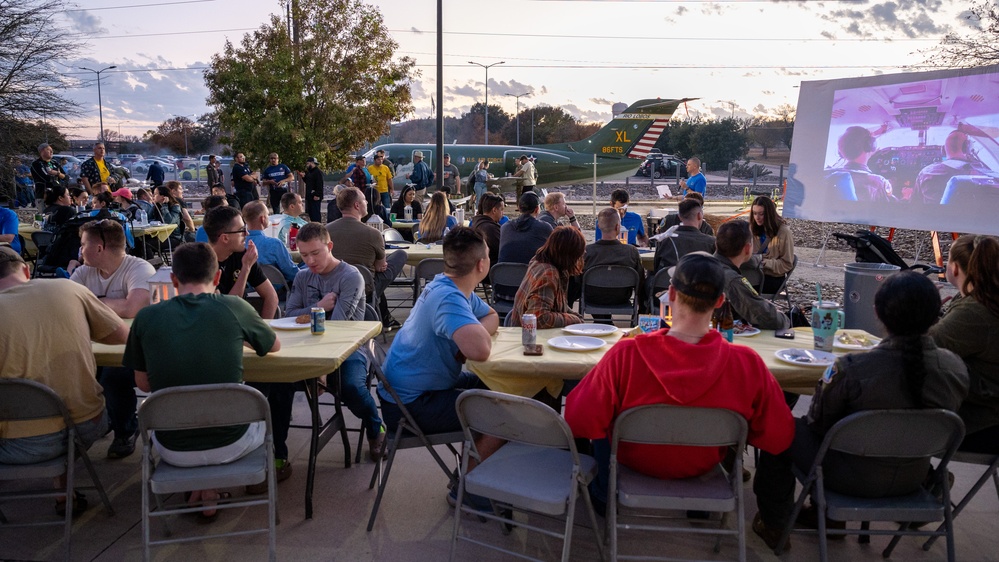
x=518, y=96
x=100, y=104
x=487, y=67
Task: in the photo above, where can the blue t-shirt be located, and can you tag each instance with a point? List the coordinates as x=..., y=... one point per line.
x=200, y=235
x=8, y=225
x=697, y=183
x=632, y=222
x=277, y=173
x=271, y=251
x=423, y=356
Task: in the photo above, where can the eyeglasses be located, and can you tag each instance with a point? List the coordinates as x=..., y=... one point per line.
x=243, y=231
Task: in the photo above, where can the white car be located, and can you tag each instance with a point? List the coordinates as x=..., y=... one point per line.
x=72, y=166
x=141, y=167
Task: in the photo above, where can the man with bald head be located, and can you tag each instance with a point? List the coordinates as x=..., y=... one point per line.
x=932, y=180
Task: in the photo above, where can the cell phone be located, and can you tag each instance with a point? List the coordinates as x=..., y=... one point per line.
x=787, y=334
x=536, y=349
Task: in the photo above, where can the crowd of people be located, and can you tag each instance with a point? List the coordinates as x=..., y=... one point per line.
x=932, y=357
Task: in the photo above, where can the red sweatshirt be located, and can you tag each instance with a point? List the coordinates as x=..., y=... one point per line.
x=656, y=369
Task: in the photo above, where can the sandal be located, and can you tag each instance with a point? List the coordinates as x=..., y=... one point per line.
x=79, y=505
x=212, y=513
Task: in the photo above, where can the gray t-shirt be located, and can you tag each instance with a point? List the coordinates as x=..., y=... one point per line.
x=310, y=287
x=133, y=273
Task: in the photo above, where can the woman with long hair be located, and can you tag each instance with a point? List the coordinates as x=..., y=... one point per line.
x=970, y=328
x=436, y=220
x=58, y=207
x=480, y=179
x=544, y=290
x=773, y=247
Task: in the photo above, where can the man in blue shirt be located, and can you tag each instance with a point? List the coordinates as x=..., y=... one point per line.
x=276, y=178
x=421, y=176
x=696, y=182
x=630, y=222
x=8, y=225
x=270, y=251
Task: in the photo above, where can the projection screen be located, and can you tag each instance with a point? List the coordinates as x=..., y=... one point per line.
x=914, y=150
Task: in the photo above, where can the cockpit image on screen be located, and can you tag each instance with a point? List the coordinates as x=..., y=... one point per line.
x=894, y=151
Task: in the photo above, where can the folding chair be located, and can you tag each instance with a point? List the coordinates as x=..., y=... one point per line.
x=714, y=491
x=505, y=278
x=901, y=434
x=369, y=286
x=603, y=278
x=426, y=270
x=538, y=471
x=281, y=285
x=42, y=240
x=392, y=235
x=25, y=400
x=659, y=283
x=992, y=462
x=783, y=286
x=205, y=406
x=408, y=435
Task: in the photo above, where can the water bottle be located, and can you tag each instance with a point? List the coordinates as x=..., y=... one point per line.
x=141, y=216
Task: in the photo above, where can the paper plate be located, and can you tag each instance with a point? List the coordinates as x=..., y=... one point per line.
x=847, y=341
x=746, y=332
x=590, y=329
x=806, y=357
x=288, y=324
x=576, y=343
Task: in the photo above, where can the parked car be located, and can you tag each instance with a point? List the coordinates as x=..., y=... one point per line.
x=129, y=159
x=663, y=166
x=71, y=166
x=141, y=167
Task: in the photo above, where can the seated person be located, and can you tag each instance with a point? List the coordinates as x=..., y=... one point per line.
x=684, y=238
x=123, y=197
x=521, y=238
x=555, y=209
x=968, y=328
x=734, y=247
x=407, y=200
x=608, y=251
x=144, y=199
x=686, y=365
x=120, y=281
x=630, y=222
x=544, y=290
x=673, y=219
x=486, y=223
x=104, y=208
x=208, y=204
x=338, y=288
x=9, y=224
x=186, y=222
x=197, y=337
x=294, y=208
x=81, y=198
x=59, y=208
x=166, y=209
x=270, y=251
x=960, y=161
x=436, y=220
x=52, y=314
x=230, y=198
x=446, y=191
x=773, y=247
x=905, y=371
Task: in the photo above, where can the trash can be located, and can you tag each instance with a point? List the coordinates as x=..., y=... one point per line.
x=862, y=281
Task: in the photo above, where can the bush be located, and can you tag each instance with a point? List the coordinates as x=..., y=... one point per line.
x=745, y=170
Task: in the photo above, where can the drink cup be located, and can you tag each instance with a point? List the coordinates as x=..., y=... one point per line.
x=827, y=318
x=392, y=217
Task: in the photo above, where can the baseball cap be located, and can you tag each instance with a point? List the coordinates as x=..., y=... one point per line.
x=446, y=155
x=528, y=202
x=311, y=160
x=123, y=192
x=7, y=254
x=698, y=275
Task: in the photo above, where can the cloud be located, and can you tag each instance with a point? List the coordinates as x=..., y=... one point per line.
x=544, y=89
x=468, y=90
x=85, y=22
x=510, y=87
x=768, y=92
x=911, y=18
x=601, y=101
x=584, y=115
x=680, y=10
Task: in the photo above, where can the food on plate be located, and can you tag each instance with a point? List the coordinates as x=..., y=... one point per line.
x=303, y=319
x=855, y=339
x=741, y=327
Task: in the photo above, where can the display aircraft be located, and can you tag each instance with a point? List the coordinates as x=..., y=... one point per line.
x=619, y=146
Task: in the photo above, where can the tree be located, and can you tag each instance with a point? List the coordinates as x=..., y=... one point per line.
x=472, y=127
x=175, y=135
x=765, y=132
x=719, y=142
x=20, y=137
x=552, y=125
x=978, y=48
x=786, y=114
x=677, y=137
x=339, y=88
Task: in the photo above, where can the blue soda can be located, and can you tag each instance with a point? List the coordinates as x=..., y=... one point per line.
x=318, y=325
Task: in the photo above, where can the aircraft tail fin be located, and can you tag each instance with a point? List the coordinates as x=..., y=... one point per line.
x=633, y=132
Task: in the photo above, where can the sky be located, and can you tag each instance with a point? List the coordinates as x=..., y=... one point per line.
x=737, y=57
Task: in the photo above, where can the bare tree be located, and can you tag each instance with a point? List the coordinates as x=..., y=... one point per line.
x=978, y=48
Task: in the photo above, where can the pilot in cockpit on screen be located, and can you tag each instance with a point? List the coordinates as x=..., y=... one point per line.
x=854, y=181
x=961, y=161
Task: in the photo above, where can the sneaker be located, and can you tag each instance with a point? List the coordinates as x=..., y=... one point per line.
x=376, y=445
x=478, y=503
x=122, y=447
x=390, y=324
x=769, y=535
x=282, y=472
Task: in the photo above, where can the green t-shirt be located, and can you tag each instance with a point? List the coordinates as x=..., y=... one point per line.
x=191, y=340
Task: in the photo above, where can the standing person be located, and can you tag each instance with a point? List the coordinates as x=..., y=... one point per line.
x=527, y=173
x=121, y=282
x=422, y=177
x=630, y=222
x=555, y=209
x=687, y=364
x=94, y=170
x=197, y=337
x=521, y=237
x=481, y=178
x=544, y=290
x=337, y=288
x=46, y=173
x=156, y=175
x=382, y=175
x=53, y=314
x=486, y=223
x=452, y=177
x=214, y=173
x=696, y=183
x=244, y=181
x=773, y=247
x=905, y=371
x=733, y=248
x=313, y=178
x=276, y=178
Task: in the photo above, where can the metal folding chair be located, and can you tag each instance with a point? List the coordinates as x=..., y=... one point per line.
x=899, y=434
x=408, y=435
x=715, y=491
x=782, y=290
x=610, y=277
x=538, y=471
x=659, y=283
x=992, y=462
x=281, y=285
x=25, y=400
x=206, y=406
x=505, y=278
x=392, y=235
x=426, y=270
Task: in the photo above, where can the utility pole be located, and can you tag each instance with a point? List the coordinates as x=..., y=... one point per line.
x=439, y=168
x=518, y=96
x=487, y=67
